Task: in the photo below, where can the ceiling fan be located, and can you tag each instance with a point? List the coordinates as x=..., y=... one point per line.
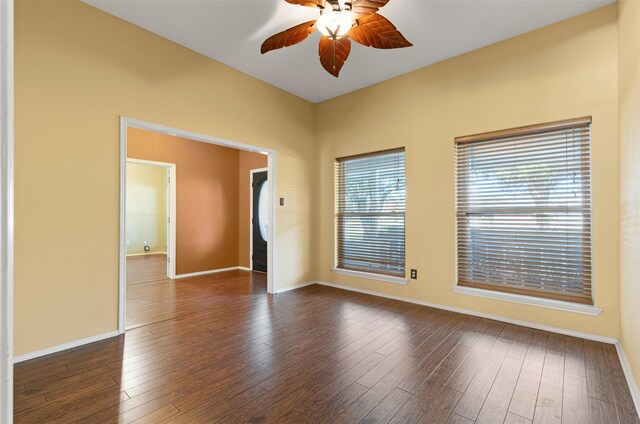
x=340, y=21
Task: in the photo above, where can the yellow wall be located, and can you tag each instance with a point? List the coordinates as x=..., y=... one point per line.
x=77, y=70
x=563, y=71
x=146, y=208
x=629, y=34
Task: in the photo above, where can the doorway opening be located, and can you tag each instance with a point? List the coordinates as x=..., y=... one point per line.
x=150, y=220
x=259, y=225
x=196, y=219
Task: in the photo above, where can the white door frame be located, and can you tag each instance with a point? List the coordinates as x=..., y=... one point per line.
x=171, y=211
x=126, y=122
x=251, y=172
x=6, y=211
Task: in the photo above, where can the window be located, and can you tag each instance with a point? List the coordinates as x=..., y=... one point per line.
x=370, y=205
x=523, y=206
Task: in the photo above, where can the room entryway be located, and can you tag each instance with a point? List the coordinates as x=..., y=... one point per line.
x=150, y=220
x=197, y=216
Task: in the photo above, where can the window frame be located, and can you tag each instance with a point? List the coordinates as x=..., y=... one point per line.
x=553, y=301
x=356, y=272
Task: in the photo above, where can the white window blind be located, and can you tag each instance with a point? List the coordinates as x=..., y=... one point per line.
x=524, y=211
x=370, y=207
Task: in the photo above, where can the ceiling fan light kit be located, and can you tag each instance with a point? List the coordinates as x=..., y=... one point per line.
x=334, y=24
x=341, y=21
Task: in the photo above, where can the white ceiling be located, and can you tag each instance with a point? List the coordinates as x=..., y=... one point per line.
x=231, y=32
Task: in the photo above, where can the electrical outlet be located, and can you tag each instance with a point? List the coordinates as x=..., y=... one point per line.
x=282, y=201
x=414, y=274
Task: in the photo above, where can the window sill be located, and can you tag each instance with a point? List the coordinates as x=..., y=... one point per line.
x=529, y=300
x=370, y=276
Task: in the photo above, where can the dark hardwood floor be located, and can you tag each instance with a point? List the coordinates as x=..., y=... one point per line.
x=230, y=353
x=152, y=297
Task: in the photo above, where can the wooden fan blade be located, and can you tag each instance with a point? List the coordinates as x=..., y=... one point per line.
x=288, y=37
x=334, y=53
x=367, y=7
x=376, y=31
x=309, y=3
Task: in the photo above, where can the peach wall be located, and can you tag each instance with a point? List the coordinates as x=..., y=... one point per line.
x=207, y=197
x=246, y=162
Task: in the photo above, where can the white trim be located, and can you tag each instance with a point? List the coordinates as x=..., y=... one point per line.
x=150, y=162
x=126, y=122
x=251, y=172
x=295, y=287
x=244, y=268
x=64, y=346
x=271, y=245
x=146, y=254
x=370, y=276
x=530, y=300
x=171, y=210
x=122, y=244
x=566, y=332
x=211, y=271
x=628, y=373
x=6, y=211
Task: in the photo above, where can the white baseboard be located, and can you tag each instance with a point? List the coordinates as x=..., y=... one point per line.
x=628, y=373
x=244, y=268
x=295, y=287
x=64, y=346
x=211, y=271
x=537, y=326
x=146, y=254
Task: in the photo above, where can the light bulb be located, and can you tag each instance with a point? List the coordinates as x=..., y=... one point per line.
x=334, y=24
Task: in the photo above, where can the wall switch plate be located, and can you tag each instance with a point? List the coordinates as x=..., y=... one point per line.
x=414, y=274
x=282, y=201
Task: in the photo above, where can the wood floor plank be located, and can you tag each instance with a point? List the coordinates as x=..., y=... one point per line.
x=428, y=365
x=388, y=407
x=433, y=400
x=218, y=348
x=574, y=357
x=468, y=369
x=475, y=395
x=523, y=402
x=328, y=411
x=516, y=419
x=549, y=402
x=268, y=410
x=458, y=419
x=601, y=411
x=520, y=343
x=497, y=403
x=598, y=383
x=575, y=402
x=159, y=415
x=622, y=395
